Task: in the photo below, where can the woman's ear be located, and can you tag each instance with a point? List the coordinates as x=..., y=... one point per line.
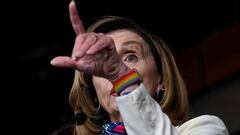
x=160, y=87
x=160, y=91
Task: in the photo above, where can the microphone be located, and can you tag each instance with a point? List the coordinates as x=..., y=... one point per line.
x=77, y=119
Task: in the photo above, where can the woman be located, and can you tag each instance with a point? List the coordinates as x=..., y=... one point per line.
x=127, y=82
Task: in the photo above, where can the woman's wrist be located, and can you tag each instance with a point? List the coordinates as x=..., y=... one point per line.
x=118, y=71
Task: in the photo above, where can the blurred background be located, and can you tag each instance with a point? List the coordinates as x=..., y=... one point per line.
x=203, y=35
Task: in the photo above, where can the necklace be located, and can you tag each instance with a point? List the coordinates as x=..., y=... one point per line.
x=113, y=128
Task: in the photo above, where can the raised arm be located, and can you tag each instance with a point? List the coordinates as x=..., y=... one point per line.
x=93, y=53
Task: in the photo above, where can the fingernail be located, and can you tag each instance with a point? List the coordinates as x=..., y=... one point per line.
x=74, y=57
x=52, y=62
x=78, y=54
x=89, y=51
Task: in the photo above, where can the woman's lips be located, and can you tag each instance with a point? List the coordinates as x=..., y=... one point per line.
x=114, y=94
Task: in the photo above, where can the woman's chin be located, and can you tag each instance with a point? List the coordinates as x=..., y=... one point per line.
x=113, y=107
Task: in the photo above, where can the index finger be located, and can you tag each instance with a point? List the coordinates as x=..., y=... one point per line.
x=75, y=19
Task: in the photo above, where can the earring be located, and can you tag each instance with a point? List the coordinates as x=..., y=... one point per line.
x=99, y=105
x=160, y=92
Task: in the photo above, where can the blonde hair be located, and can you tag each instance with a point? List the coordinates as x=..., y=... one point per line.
x=174, y=102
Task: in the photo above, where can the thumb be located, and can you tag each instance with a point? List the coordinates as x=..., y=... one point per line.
x=63, y=61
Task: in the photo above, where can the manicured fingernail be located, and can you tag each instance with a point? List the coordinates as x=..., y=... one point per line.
x=52, y=62
x=89, y=51
x=78, y=54
x=74, y=58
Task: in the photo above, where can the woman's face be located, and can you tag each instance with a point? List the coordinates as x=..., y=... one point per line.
x=134, y=53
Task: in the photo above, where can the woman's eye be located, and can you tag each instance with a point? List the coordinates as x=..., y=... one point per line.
x=131, y=58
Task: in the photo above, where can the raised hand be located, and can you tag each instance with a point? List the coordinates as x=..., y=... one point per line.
x=93, y=53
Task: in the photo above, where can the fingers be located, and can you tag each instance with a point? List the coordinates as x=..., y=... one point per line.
x=91, y=43
x=63, y=61
x=90, y=40
x=103, y=42
x=78, y=43
x=75, y=19
x=82, y=43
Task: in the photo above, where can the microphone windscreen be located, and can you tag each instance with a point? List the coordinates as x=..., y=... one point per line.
x=79, y=118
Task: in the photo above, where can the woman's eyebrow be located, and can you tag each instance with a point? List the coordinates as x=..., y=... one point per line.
x=129, y=44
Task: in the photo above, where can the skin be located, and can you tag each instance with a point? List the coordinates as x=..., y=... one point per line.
x=97, y=54
x=132, y=50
